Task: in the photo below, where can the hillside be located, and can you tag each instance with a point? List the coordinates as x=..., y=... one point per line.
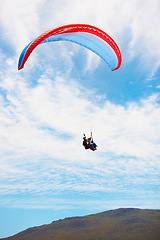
x=120, y=224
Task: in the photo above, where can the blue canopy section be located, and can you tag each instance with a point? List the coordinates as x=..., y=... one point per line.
x=90, y=41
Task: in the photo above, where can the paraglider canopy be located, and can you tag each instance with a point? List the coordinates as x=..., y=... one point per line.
x=85, y=35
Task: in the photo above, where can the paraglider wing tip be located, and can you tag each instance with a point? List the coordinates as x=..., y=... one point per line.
x=20, y=66
x=116, y=68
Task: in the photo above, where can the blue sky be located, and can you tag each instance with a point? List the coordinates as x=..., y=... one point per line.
x=65, y=90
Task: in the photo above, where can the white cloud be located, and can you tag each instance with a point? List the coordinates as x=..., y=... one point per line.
x=20, y=21
x=63, y=109
x=41, y=131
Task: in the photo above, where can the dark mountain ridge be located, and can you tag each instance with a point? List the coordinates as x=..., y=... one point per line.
x=119, y=224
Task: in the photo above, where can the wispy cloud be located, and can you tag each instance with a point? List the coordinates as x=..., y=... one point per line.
x=41, y=130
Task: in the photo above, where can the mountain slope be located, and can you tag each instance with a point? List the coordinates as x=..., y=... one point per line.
x=120, y=224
